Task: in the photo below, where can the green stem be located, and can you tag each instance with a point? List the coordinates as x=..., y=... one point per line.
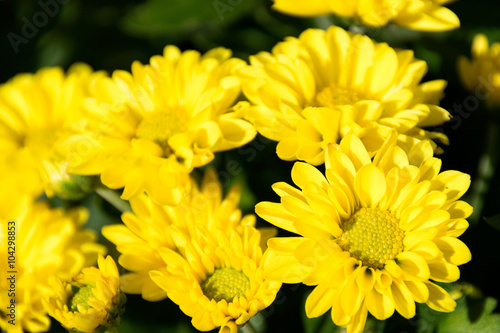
x=322, y=22
x=113, y=198
x=248, y=328
x=486, y=169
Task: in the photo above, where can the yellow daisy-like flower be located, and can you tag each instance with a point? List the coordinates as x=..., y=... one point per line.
x=375, y=234
x=148, y=129
x=215, y=276
x=36, y=111
x=91, y=301
x=47, y=242
x=202, y=254
x=147, y=231
x=481, y=75
x=425, y=15
x=315, y=89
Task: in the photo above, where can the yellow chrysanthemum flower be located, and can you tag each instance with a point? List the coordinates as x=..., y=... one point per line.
x=147, y=230
x=425, y=15
x=36, y=111
x=91, y=301
x=481, y=75
x=46, y=242
x=375, y=234
x=148, y=129
x=315, y=89
x=215, y=276
x=202, y=254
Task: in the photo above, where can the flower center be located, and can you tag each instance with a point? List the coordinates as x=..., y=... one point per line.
x=334, y=96
x=160, y=126
x=372, y=236
x=225, y=283
x=81, y=297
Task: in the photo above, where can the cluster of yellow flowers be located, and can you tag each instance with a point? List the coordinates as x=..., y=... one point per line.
x=375, y=232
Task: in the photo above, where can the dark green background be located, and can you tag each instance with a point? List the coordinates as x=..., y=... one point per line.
x=110, y=35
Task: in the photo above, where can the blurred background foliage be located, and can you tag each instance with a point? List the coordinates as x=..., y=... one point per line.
x=112, y=34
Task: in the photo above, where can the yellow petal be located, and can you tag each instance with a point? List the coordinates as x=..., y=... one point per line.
x=437, y=19
x=352, y=146
x=379, y=305
x=352, y=296
x=366, y=279
x=418, y=289
x=439, y=299
x=283, y=267
x=453, y=183
x=358, y=321
x=312, y=228
x=297, y=8
x=480, y=45
x=403, y=300
x=426, y=249
x=282, y=189
x=460, y=210
x=276, y=214
x=296, y=206
x=235, y=133
x=303, y=174
x=444, y=272
x=370, y=185
x=413, y=264
x=339, y=317
x=382, y=76
x=287, y=149
x=454, y=250
x=319, y=300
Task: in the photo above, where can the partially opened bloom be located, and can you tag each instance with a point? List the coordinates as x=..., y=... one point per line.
x=481, y=74
x=202, y=254
x=148, y=129
x=48, y=242
x=373, y=235
x=425, y=15
x=91, y=301
x=36, y=113
x=317, y=88
x=216, y=276
x=146, y=231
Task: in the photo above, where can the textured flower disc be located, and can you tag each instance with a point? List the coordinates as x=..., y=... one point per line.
x=414, y=14
x=375, y=234
x=148, y=129
x=315, y=89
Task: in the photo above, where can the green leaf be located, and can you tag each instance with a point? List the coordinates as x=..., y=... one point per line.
x=471, y=315
x=493, y=221
x=157, y=18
